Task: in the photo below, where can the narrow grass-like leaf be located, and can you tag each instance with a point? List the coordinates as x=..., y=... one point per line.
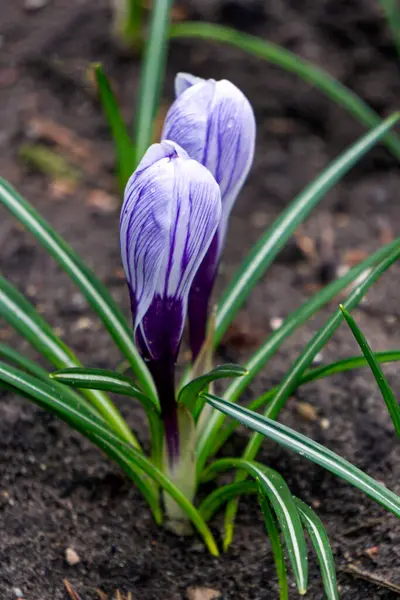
x=78, y=416
x=304, y=361
x=210, y=435
x=220, y=495
x=102, y=379
x=320, y=542
x=276, y=545
x=133, y=462
x=94, y=291
x=386, y=391
x=128, y=21
x=21, y=315
x=124, y=152
x=190, y=392
x=310, y=450
x=269, y=245
x=273, y=486
x=32, y=367
x=391, y=9
x=152, y=75
x=293, y=63
x=24, y=363
x=340, y=366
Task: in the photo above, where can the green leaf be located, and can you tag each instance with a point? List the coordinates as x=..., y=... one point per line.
x=32, y=367
x=188, y=395
x=341, y=366
x=21, y=315
x=320, y=542
x=276, y=546
x=293, y=63
x=102, y=379
x=123, y=145
x=220, y=495
x=94, y=291
x=76, y=414
x=305, y=359
x=210, y=435
x=386, y=391
x=128, y=22
x=273, y=486
x=269, y=245
x=152, y=75
x=391, y=9
x=311, y=450
x=130, y=460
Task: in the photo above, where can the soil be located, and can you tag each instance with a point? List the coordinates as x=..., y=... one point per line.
x=57, y=491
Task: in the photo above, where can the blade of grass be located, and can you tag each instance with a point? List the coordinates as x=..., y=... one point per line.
x=32, y=367
x=386, y=391
x=128, y=18
x=276, y=546
x=309, y=449
x=304, y=361
x=274, y=488
x=190, y=392
x=79, y=417
x=211, y=432
x=131, y=460
x=391, y=10
x=124, y=152
x=220, y=495
x=293, y=63
x=269, y=245
x=22, y=316
x=102, y=379
x=152, y=76
x=341, y=366
x=94, y=291
x=320, y=542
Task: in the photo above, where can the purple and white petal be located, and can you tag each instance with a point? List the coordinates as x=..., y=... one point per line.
x=170, y=214
x=215, y=124
x=185, y=80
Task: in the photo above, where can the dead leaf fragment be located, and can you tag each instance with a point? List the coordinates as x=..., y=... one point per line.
x=102, y=201
x=306, y=410
x=73, y=595
x=202, y=593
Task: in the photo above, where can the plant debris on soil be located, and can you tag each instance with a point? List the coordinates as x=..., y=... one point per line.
x=56, y=490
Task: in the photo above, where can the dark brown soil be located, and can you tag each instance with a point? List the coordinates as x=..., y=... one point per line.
x=58, y=491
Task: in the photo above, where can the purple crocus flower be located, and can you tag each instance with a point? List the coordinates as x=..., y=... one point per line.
x=171, y=210
x=214, y=122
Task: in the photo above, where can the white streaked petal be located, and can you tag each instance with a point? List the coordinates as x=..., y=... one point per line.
x=144, y=229
x=186, y=122
x=198, y=212
x=183, y=81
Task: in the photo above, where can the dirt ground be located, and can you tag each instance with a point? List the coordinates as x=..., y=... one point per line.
x=56, y=490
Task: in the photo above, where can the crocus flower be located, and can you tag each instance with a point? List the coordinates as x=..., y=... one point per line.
x=214, y=122
x=171, y=210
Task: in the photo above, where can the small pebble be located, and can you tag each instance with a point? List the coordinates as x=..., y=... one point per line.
x=32, y=5
x=275, y=323
x=202, y=593
x=318, y=359
x=325, y=423
x=17, y=592
x=83, y=324
x=72, y=557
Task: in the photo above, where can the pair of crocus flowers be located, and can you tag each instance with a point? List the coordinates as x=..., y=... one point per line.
x=174, y=220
